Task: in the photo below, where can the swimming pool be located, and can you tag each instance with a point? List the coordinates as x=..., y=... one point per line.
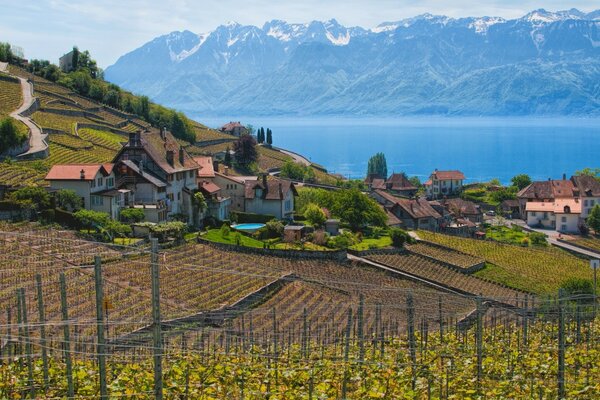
x=248, y=227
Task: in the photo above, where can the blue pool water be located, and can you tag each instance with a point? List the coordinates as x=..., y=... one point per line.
x=483, y=148
x=247, y=227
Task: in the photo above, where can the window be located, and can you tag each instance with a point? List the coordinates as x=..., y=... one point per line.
x=191, y=174
x=585, y=203
x=93, y=183
x=179, y=176
x=178, y=196
x=563, y=227
x=100, y=181
x=592, y=202
x=97, y=200
x=170, y=178
x=564, y=219
x=110, y=182
x=533, y=213
x=288, y=204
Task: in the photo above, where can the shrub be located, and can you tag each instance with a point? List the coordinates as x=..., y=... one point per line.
x=400, y=237
x=132, y=215
x=315, y=215
x=92, y=219
x=237, y=237
x=537, y=239
x=342, y=241
x=225, y=231
x=33, y=197
x=68, y=200
x=10, y=135
x=274, y=228
x=525, y=242
x=116, y=228
x=581, y=289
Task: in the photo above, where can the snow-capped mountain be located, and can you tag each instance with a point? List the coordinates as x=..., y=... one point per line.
x=543, y=63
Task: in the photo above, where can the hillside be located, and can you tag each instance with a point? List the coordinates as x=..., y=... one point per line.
x=82, y=130
x=544, y=63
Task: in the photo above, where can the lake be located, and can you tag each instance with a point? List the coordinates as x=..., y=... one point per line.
x=483, y=148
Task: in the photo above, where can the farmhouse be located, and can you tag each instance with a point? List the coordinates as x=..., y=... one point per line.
x=172, y=173
x=397, y=183
x=463, y=209
x=233, y=187
x=234, y=128
x=94, y=183
x=270, y=197
x=559, y=204
x=412, y=213
x=444, y=183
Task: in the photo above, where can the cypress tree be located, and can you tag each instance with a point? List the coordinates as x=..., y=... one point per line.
x=269, y=136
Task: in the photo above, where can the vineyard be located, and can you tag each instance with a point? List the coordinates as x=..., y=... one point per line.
x=10, y=96
x=460, y=260
x=538, y=270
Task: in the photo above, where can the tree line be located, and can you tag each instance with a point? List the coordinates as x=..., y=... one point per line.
x=87, y=79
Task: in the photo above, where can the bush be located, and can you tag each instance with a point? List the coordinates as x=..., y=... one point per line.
x=582, y=289
x=400, y=237
x=274, y=228
x=10, y=136
x=68, y=200
x=92, y=219
x=32, y=197
x=225, y=231
x=525, y=242
x=537, y=239
x=315, y=215
x=116, y=228
x=245, y=218
x=132, y=215
x=342, y=241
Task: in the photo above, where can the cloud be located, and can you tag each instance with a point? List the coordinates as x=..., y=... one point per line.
x=110, y=28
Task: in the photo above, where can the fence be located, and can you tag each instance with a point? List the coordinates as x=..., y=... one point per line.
x=304, y=337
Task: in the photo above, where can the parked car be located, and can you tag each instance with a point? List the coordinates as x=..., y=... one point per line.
x=491, y=213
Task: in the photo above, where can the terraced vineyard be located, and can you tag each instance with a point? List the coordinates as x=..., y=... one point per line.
x=541, y=270
x=460, y=260
x=439, y=273
x=104, y=139
x=10, y=97
x=270, y=158
x=19, y=174
x=588, y=242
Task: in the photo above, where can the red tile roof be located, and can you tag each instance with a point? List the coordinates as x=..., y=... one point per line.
x=399, y=182
x=231, y=126
x=276, y=189
x=588, y=186
x=463, y=207
x=206, y=167
x=448, y=175
x=209, y=187
x=551, y=189
x=377, y=184
x=70, y=172
x=416, y=208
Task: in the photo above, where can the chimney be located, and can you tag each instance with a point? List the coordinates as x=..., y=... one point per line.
x=226, y=170
x=181, y=154
x=82, y=174
x=171, y=157
x=134, y=139
x=264, y=181
x=564, y=177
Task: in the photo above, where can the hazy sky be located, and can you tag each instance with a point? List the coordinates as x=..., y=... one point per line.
x=110, y=28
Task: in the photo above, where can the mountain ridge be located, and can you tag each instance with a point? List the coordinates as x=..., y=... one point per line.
x=544, y=63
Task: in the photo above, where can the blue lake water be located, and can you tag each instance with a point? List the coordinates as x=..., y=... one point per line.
x=483, y=148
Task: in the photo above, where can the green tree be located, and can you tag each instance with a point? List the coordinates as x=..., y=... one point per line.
x=595, y=172
x=92, y=219
x=593, y=220
x=400, y=237
x=75, y=59
x=68, y=200
x=10, y=136
x=6, y=54
x=200, y=202
x=292, y=170
x=521, y=181
x=579, y=289
x=32, y=196
x=116, y=228
x=495, y=182
x=377, y=166
x=132, y=215
x=269, y=136
x=315, y=215
x=227, y=158
x=245, y=150
x=537, y=239
x=415, y=181
x=357, y=209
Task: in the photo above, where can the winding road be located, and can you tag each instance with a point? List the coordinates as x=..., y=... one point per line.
x=37, y=138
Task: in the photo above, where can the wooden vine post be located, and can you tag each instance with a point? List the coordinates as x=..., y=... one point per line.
x=67, y=336
x=411, y=338
x=156, y=322
x=42, y=318
x=561, y=346
x=100, y=329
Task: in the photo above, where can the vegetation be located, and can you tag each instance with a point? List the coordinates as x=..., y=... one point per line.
x=373, y=243
x=32, y=197
x=593, y=220
x=132, y=215
x=314, y=215
x=10, y=135
x=400, y=237
x=222, y=236
x=245, y=151
x=521, y=181
x=377, y=166
x=6, y=54
x=540, y=270
x=297, y=171
x=90, y=219
x=68, y=200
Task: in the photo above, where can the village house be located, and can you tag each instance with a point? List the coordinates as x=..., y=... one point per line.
x=559, y=204
x=217, y=204
x=95, y=184
x=444, y=183
x=412, y=213
x=233, y=187
x=397, y=183
x=270, y=197
x=170, y=175
x=510, y=208
x=234, y=128
x=463, y=209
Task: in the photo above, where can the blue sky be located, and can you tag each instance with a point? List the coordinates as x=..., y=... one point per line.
x=110, y=28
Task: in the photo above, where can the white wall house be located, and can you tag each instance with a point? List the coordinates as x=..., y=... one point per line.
x=234, y=187
x=94, y=183
x=270, y=197
x=444, y=183
x=562, y=215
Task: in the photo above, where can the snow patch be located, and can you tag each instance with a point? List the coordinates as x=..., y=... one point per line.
x=341, y=40
x=481, y=25
x=186, y=53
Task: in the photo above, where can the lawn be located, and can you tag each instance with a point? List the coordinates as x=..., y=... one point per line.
x=214, y=235
x=505, y=234
x=372, y=243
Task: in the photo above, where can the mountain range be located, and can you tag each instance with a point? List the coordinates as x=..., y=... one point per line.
x=545, y=63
